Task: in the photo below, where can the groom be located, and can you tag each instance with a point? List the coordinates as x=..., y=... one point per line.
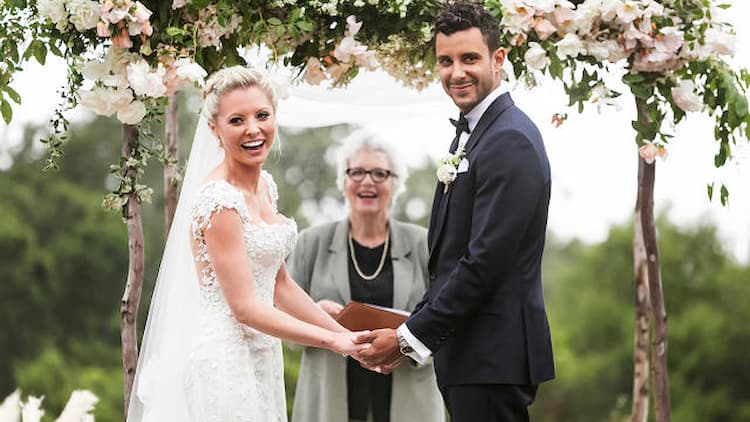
x=483, y=317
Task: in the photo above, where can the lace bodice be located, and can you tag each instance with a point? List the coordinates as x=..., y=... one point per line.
x=236, y=371
x=267, y=244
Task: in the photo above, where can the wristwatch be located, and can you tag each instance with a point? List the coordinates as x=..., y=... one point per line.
x=403, y=345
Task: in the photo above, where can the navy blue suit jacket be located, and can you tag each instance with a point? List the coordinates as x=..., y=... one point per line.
x=483, y=316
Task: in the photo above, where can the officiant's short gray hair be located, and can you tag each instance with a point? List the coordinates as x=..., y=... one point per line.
x=227, y=80
x=366, y=140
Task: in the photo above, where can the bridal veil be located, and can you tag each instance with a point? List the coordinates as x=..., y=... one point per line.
x=158, y=394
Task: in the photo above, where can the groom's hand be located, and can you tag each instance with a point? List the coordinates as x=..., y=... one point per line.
x=383, y=350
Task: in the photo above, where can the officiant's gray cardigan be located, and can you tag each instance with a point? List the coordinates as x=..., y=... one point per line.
x=319, y=264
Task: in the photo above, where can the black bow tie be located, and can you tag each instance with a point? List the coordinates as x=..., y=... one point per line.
x=462, y=125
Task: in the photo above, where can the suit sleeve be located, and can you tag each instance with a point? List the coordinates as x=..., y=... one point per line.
x=509, y=184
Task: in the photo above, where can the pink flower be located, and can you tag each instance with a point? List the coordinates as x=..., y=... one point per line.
x=649, y=152
x=122, y=40
x=543, y=28
x=102, y=29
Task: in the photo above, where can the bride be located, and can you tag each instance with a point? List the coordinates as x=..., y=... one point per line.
x=223, y=298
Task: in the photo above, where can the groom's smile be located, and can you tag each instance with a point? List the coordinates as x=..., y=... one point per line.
x=467, y=68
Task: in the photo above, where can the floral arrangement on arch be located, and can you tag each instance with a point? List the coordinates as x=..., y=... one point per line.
x=672, y=53
x=126, y=56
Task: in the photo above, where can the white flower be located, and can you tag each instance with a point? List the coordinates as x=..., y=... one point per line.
x=447, y=170
x=144, y=81
x=609, y=10
x=545, y=6
x=633, y=36
x=190, y=70
x=615, y=51
x=176, y=4
x=652, y=8
x=670, y=39
x=627, y=12
x=55, y=11
x=348, y=47
x=105, y=101
x=517, y=16
x=718, y=42
x=563, y=15
x=367, y=60
x=352, y=26
x=10, y=408
x=684, y=96
x=94, y=70
x=599, y=50
x=446, y=174
x=132, y=113
x=79, y=407
x=585, y=14
x=111, y=14
x=139, y=20
x=570, y=46
x=31, y=411
x=84, y=14
x=536, y=57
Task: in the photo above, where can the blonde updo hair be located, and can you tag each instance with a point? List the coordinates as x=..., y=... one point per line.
x=227, y=80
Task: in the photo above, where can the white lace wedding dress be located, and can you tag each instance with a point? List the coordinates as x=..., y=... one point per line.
x=235, y=373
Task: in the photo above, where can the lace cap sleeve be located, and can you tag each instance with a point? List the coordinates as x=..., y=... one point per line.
x=273, y=190
x=213, y=197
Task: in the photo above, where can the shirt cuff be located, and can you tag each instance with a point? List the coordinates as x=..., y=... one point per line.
x=421, y=353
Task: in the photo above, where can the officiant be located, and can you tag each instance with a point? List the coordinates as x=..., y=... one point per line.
x=367, y=257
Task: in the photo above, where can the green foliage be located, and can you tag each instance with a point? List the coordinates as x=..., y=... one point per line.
x=589, y=292
x=55, y=375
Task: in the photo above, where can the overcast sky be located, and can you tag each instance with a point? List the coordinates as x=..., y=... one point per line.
x=593, y=155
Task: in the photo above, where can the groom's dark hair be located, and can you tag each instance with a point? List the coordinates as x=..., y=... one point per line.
x=465, y=14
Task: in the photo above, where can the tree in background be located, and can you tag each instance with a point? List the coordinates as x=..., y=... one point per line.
x=590, y=307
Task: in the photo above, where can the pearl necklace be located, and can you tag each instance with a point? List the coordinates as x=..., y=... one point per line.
x=382, y=258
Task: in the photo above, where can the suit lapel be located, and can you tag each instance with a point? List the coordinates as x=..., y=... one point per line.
x=339, y=260
x=493, y=111
x=440, y=202
x=402, y=268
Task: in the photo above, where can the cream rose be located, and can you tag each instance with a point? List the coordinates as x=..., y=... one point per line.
x=84, y=14
x=447, y=173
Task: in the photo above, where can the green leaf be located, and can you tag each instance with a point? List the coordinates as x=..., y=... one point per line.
x=642, y=91
x=274, y=21
x=174, y=31
x=555, y=67
x=710, y=191
x=633, y=78
x=724, y=195
x=6, y=111
x=39, y=52
x=304, y=25
x=13, y=94
x=739, y=108
x=295, y=14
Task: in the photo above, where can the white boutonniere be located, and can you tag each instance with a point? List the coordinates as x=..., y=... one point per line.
x=447, y=170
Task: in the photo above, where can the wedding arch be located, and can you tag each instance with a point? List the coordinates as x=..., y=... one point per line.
x=126, y=59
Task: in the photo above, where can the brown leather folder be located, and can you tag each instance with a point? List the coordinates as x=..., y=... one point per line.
x=357, y=316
